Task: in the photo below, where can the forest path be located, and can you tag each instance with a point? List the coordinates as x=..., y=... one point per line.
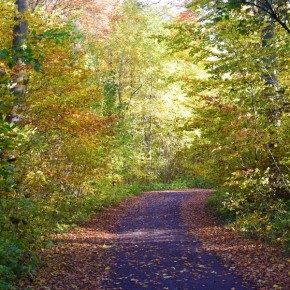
x=159, y=240
x=154, y=250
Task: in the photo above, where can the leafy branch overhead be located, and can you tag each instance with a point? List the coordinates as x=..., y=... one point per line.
x=277, y=11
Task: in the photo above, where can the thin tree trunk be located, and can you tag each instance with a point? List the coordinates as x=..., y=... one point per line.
x=19, y=77
x=120, y=84
x=274, y=110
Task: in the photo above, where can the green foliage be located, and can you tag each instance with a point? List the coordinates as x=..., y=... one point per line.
x=269, y=222
x=104, y=194
x=14, y=264
x=216, y=205
x=238, y=107
x=110, y=95
x=12, y=141
x=195, y=182
x=24, y=231
x=266, y=219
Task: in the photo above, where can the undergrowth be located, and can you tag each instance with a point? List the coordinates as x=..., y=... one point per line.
x=196, y=182
x=267, y=220
x=24, y=233
x=29, y=228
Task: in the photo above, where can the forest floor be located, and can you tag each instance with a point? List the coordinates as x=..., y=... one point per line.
x=159, y=240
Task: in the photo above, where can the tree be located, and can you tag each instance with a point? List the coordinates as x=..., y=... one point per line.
x=19, y=48
x=243, y=93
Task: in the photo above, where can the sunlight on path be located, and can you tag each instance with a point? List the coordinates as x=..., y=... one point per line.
x=150, y=235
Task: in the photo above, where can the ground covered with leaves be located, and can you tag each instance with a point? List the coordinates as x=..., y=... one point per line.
x=266, y=266
x=160, y=240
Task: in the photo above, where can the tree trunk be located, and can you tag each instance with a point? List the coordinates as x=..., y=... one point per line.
x=274, y=111
x=19, y=77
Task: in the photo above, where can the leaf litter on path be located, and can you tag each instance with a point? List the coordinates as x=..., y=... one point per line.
x=268, y=267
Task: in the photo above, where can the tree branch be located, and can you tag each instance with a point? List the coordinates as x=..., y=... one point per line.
x=133, y=93
x=269, y=10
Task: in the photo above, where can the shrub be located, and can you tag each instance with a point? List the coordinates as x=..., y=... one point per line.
x=215, y=204
x=14, y=263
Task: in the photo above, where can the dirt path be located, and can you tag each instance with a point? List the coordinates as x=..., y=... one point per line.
x=155, y=251
x=160, y=240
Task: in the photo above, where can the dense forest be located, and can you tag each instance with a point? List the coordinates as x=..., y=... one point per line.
x=102, y=99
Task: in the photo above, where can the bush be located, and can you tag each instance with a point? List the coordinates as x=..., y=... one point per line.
x=215, y=204
x=270, y=222
x=27, y=224
x=196, y=182
x=264, y=219
x=14, y=263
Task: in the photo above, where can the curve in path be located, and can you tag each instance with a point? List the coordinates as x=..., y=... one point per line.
x=154, y=250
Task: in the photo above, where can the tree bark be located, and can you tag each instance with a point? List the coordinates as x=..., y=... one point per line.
x=272, y=93
x=19, y=77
